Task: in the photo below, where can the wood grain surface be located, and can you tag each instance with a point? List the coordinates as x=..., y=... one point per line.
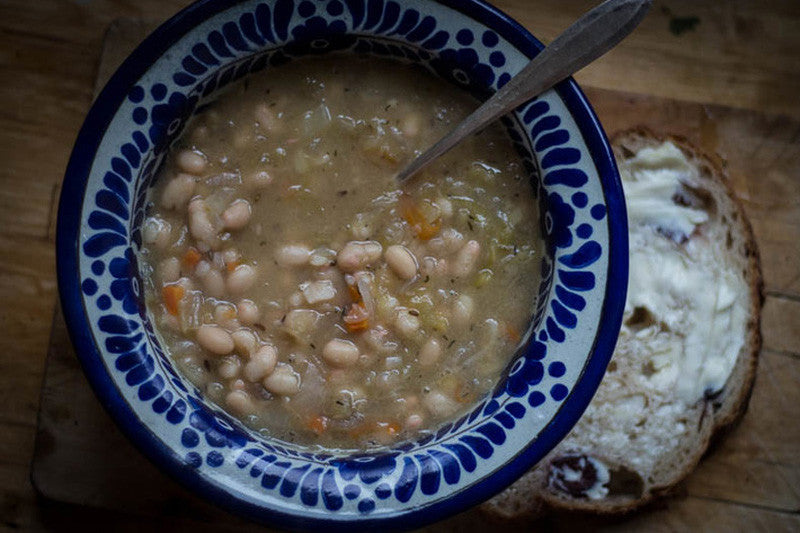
x=738, y=61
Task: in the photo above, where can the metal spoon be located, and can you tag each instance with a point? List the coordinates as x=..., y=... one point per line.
x=591, y=36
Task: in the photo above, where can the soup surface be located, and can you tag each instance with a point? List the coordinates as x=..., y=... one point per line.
x=300, y=288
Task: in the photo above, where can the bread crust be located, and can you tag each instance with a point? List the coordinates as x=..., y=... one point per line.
x=717, y=415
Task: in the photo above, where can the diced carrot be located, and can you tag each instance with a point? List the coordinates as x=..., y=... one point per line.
x=191, y=258
x=355, y=327
x=318, y=424
x=356, y=318
x=355, y=294
x=391, y=428
x=231, y=265
x=428, y=231
x=512, y=333
x=411, y=213
x=172, y=294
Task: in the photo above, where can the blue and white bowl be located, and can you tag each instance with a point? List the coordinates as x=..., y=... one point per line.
x=543, y=392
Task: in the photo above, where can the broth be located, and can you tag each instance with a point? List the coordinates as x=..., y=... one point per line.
x=297, y=285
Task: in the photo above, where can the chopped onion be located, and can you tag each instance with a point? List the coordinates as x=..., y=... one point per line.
x=363, y=288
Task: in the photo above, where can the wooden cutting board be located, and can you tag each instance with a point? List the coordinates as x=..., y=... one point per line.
x=751, y=479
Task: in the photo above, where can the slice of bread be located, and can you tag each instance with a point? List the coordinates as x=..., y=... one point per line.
x=685, y=362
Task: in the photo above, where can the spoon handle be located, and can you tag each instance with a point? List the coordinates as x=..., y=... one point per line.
x=588, y=38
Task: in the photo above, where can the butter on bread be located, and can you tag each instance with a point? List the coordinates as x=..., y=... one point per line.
x=685, y=361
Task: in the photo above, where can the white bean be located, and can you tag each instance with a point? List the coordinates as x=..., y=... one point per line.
x=358, y=254
x=237, y=215
x=430, y=352
x=169, y=269
x=218, y=260
x=401, y=261
x=340, y=352
x=261, y=363
x=238, y=402
x=414, y=421
x=405, y=323
x=248, y=312
x=466, y=259
x=215, y=339
x=191, y=162
x=231, y=255
x=462, y=310
x=156, y=231
x=203, y=267
x=293, y=255
x=212, y=281
x=225, y=316
x=241, y=279
x=178, y=191
x=283, y=381
x=439, y=404
x=200, y=225
x=318, y=291
x=245, y=341
x=229, y=367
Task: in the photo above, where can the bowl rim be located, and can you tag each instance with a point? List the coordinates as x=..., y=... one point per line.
x=146, y=441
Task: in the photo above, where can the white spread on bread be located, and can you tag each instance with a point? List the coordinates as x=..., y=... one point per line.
x=692, y=310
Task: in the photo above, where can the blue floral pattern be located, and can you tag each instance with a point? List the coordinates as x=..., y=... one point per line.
x=258, y=35
x=318, y=36
x=463, y=66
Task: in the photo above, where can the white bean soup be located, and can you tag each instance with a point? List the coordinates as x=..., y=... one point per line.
x=298, y=286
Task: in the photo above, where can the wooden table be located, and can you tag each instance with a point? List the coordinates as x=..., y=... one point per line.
x=740, y=54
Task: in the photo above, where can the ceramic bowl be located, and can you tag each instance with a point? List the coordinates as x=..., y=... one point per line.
x=541, y=394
